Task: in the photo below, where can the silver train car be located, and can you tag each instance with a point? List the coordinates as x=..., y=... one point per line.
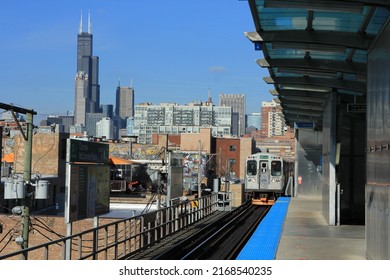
x=265, y=178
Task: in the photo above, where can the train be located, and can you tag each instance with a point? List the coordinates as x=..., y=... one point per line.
x=265, y=177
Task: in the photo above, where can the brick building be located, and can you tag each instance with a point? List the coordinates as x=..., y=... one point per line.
x=231, y=153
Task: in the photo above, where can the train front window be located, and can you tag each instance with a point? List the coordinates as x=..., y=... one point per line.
x=251, y=167
x=276, y=168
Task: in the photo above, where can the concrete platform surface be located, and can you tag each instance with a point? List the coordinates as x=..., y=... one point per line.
x=307, y=236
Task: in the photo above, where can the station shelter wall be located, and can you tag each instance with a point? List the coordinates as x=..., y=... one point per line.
x=377, y=193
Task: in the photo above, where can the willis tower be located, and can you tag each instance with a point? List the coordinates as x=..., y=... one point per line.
x=87, y=89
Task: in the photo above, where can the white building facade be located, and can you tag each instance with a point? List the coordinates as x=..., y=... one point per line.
x=105, y=128
x=171, y=118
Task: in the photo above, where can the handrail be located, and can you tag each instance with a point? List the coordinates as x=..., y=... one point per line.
x=290, y=183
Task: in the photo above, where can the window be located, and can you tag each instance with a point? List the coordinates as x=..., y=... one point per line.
x=251, y=168
x=232, y=148
x=276, y=168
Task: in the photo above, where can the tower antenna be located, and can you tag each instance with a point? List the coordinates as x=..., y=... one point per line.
x=81, y=22
x=89, y=23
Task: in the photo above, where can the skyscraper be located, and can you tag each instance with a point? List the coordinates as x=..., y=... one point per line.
x=81, y=102
x=87, y=88
x=124, y=107
x=237, y=102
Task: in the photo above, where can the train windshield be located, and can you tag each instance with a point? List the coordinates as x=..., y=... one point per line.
x=276, y=168
x=251, y=167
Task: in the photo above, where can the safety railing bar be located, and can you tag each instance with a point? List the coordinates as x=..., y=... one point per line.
x=176, y=217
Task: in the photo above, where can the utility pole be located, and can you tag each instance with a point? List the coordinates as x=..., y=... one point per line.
x=27, y=180
x=25, y=207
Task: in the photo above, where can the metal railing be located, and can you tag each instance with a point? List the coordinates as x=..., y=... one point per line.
x=119, y=239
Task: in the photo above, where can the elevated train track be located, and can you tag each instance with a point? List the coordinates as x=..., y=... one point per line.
x=220, y=238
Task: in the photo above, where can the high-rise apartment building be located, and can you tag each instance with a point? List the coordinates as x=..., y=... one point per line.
x=87, y=89
x=124, y=107
x=273, y=123
x=237, y=102
x=171, y=118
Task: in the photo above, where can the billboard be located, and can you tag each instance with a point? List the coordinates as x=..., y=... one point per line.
x=89, y=192
x=175, y=183
x=85, y=151
x=88, y=181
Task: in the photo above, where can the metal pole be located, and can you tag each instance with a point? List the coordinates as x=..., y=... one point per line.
x=131, y=149
x=169, y=182
x=1, y=148
x=96, y=237
x=338, y=194
x=227, y=175
x=159, y=191
x=68, y=242
x=158, y=196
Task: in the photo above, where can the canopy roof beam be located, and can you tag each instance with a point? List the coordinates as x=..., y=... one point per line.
x=303, y=106
x=319, y=5
x=355, y=86
x=316, y=64
x=302, y=99
x=318, y=37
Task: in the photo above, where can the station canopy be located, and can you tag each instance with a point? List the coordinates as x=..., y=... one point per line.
x=315, y=48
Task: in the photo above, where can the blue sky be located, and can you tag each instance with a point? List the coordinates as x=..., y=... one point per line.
x=172, y=50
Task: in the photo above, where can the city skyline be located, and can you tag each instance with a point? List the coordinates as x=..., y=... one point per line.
x=172, y=53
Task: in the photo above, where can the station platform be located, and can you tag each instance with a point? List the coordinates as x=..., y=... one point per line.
x=301, y=233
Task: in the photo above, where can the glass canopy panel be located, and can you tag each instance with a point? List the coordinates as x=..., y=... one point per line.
x=283, y=53
x=276, y=51
x=349, y=92
x=360, y=56
x=328, y=56
x=350, y=77
x=302, y=87
x=345, y=20
x=296, y=72
x=377, y=21
x=337, y=21
x=283, y=73
x=282, y=19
